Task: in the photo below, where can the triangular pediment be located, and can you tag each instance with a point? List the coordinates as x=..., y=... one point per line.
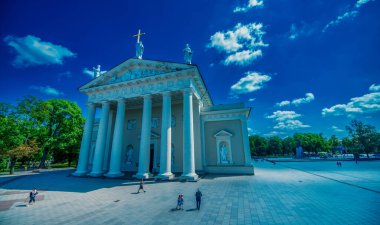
x=223, y=133
x=134, y=69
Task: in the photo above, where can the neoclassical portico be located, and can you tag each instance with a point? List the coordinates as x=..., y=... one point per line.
x=157, y=119
x=180, y=88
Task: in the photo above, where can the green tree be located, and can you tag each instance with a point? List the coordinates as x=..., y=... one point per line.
x=333, y=142
x=16, y=142
x=260, y=145
x=364, y=137
x=347, y=144
x=62, y=126
x=311, y=142
x=289, y=145
x=274, y=146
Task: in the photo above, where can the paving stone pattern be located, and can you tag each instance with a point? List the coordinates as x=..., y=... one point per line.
x=285, y=193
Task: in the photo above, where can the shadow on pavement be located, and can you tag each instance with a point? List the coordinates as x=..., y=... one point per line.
x=190, y=210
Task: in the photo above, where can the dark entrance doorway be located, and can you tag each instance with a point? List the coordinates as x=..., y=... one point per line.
x=151, y=160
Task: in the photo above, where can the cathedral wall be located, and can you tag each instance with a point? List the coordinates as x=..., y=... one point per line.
x=237, y=147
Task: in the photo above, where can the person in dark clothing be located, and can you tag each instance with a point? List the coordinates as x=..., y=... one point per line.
x=32, y=196
x=141, y=186
x=198, y=197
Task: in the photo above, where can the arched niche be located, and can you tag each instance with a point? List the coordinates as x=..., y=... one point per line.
x=223, y=147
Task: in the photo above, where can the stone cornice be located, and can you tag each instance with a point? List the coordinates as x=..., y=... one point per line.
x=232, y=114
x=136, y=77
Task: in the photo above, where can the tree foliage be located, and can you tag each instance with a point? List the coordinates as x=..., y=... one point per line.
x=363, y=139
x=39, y=129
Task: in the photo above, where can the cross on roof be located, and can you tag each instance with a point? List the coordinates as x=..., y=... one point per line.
x=138, y=36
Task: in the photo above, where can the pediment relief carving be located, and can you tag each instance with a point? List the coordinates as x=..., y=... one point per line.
x=223, y=133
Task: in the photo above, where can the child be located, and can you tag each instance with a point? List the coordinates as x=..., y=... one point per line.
x=180, y=202
x=32, y=196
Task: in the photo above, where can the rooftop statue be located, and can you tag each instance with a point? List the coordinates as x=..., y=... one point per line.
x=139, y=45
x=97, y=72
x=187, y=54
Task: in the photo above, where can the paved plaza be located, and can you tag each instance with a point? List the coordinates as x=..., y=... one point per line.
x=284, y=193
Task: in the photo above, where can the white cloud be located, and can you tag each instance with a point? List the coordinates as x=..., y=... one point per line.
x=336, y=129
x=309, y=98
x=32, y=51
x=339, y=19
x=243, y=58
x=367, y=103
x=283, y=103
x=88, y=72
x=47, y=90
x=274, y=133
x=225, y=42
x=253, y=81
x=302, y=29
x=374, y=88
x=359, y=3
x=296, y=102
x=293, y=33
x=251, y=99
x=242, y=44
x=351, y=13
x=283, y=115
x=251, y=4
x=91, y=72
x=290, y=125
x=286, y=120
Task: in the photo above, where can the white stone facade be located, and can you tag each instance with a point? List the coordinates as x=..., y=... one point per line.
x=158, y=119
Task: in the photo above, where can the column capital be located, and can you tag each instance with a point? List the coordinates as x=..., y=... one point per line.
x=90, y=105
x=121, y=100
x=147, y=97
x=105, y=103
x=187, y=91
x=166, y=93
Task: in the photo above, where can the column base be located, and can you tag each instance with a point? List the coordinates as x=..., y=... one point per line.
x=143, y=175
x=96, y=174
x=80, y=173
x=165, y=176
x=114, y=174
x=189, y=177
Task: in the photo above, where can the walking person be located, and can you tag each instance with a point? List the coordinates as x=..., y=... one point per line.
x=141, y=186
x=32, y=196
x=198, y=197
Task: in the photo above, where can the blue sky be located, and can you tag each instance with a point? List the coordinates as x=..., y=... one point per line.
x=303, y=66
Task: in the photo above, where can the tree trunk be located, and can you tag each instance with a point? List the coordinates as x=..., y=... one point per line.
x=70, y=157
x=12, y=166
x=43, y=159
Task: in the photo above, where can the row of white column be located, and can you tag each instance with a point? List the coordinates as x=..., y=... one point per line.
x=117, y=142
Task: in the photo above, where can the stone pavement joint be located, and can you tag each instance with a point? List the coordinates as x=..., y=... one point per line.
x=343, y=182
x=275, y=195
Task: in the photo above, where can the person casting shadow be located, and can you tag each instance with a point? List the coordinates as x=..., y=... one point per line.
x=141, y=186
x=198, y=197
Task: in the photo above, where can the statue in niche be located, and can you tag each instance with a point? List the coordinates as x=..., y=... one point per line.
x=155, y=122
x=223, y=153
x=129, y=154
x=131, y=124
x=187, y=54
